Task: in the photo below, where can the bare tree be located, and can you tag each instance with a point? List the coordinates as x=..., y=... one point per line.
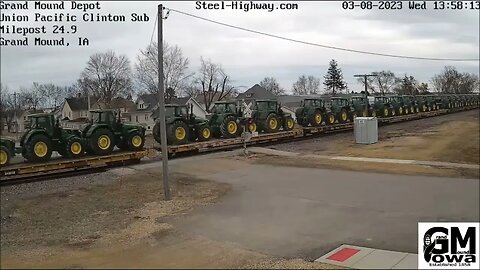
x=31, y=98
x=306, y=85
x=408, y=85
x=272, y=86
x=175, y=68
x=451, y=81
x=214, y=83
x=383, y=82
x=53, y=94
x=107, y=76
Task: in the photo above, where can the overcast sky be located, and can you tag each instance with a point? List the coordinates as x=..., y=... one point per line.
x=248, y=57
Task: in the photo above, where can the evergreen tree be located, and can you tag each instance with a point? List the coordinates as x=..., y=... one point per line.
x=334, y=79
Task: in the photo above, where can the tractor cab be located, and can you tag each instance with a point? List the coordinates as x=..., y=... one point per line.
x=222, y=107
x=108, y=117
x=313, y=102
x=339, y=102
x=266, y=105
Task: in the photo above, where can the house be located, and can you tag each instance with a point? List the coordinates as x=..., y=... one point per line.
x=256, y=92
x=119, y=103
x=146, y=110
x=75, y=108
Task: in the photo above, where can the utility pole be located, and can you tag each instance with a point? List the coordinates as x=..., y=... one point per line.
x=15, y=114
x=161, y=105
x=365, y=78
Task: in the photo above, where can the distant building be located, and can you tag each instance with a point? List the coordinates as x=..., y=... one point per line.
x=256, y=92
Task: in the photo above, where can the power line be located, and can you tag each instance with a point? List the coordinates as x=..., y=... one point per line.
x=326, y=46
x=154, y=27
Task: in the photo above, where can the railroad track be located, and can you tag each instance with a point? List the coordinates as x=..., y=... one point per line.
x=25, y=172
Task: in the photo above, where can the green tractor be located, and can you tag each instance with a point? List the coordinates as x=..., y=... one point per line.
x=313, y=112
x=409, y=102
x=443, y=102
x=423, y=103
x=341, y=108
x=225, y=120
x=399, y=105
x=105, y=130
x=431, y=101
x=43, y=135
x=7, y=151
x=382, y=107
x=360, y=106
x=182, y=126
x=269, y=117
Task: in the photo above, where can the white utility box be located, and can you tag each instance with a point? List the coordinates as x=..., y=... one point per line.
x=366, y=130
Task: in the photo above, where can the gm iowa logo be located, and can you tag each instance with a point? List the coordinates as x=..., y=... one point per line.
x=448, y=245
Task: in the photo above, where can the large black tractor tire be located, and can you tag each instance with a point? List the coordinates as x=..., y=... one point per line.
x=317, y=119
x=353, y=115
x=73, y=148
x=178, y=133
x=156, y=132
x=330, y=119
x=343, y=116
x=38, y=148
x=272, y=123
x=288, y=123
x=229, y=128
x=5, y=156
x=134, y=141
x=204, y=133
x=101, y=142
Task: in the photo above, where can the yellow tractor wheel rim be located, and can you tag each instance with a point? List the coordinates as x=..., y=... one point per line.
x=412, y=110
x=232, y=127
x=273, y=123
x=40, y=149
x=374, y=114
x=76, y=148
x=344, y=116
x=206, y=133
x=136, y=141
x=318, y=118
x=331, y=119
x=3, y=157
x=104, y=142
x=385, y=112
x=406, y=111
x=400, y=110
x=180, y=133
x=290, y=123
x=252, y=127
x=354, y=115
x=364, y=114
x=424, y=108
x=393, y=112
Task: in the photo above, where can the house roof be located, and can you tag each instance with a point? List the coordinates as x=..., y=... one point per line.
x=256, y=92
x=80, y=103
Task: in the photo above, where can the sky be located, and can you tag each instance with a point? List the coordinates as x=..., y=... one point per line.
x=248, y=57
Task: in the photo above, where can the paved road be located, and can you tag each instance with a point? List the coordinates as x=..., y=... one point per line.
x=301, y=212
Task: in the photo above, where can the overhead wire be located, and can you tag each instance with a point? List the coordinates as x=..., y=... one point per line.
x=325, y=46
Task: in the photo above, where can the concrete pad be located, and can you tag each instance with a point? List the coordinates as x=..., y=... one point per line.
x=409, y=262
x=380, y=259
x=331, y=257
